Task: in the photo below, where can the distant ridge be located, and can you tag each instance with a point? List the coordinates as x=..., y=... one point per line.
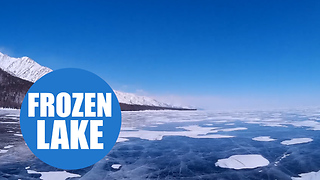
x=135, y=107
x=18, y=74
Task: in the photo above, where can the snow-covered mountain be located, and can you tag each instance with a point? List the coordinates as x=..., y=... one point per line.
x=24, y=68
x=129, y=98
x=27, y=69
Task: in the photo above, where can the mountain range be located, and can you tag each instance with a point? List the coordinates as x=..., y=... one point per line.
x=18, y=74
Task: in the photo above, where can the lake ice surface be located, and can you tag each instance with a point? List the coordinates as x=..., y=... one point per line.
x=186, y=145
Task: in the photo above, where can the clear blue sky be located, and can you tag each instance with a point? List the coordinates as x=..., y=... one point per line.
x=212, y=48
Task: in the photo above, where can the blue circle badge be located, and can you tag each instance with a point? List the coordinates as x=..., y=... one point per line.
x=70, y=118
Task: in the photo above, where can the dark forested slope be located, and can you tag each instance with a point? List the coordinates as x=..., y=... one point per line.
x=12, y=90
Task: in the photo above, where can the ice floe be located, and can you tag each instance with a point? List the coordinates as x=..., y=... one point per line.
x=308, y=176
x=296, y=141
x=250, y=161
x=54, y=175
x=263, y=138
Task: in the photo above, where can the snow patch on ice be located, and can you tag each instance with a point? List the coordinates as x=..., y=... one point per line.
x=208, y=124
x=192, y=131
x=250, y=161
x=263, y=138
x=8, y=146
x=128, y=129
x=308, y=176
x=122, y=139
x=198, y=129
x=313, y=125
x=116, y=166
x=233, y=129
x=296, y=141
x=54, y=175
x=8, y=122
x=3, y=151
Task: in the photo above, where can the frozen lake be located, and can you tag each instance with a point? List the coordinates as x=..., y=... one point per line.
x=186, y=145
